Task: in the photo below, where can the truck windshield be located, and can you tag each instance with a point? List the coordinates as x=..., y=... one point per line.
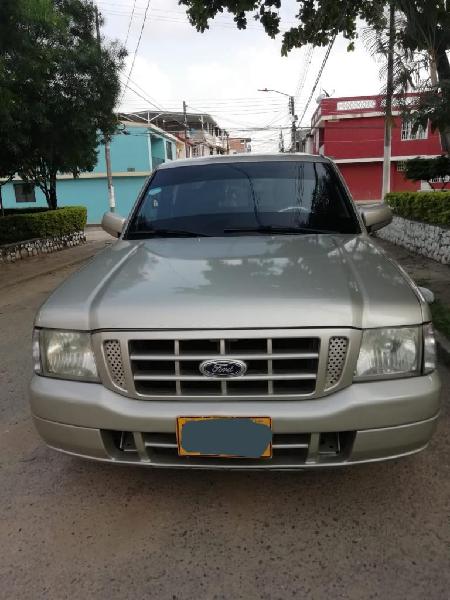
x=244, y=198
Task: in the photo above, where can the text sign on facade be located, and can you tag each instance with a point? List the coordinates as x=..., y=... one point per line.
x=355, y=104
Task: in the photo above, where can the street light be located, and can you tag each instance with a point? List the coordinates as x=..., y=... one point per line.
x=291, y=112
x=276, y=92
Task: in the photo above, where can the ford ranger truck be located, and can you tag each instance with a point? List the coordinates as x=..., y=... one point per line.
x=244, y=319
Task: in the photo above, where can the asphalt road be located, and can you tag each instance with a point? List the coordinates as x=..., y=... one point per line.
x=74, y=529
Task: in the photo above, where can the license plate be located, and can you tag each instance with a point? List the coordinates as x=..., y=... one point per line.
x=226, y=437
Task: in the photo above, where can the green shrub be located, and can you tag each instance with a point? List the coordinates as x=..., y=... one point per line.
x=429, y=207
x=21, y=211
x=21, y=226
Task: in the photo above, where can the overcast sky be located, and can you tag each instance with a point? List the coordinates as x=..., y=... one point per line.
x=220, y=71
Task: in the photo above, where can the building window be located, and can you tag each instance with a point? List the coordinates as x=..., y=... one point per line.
x=420, y=133
x=196, y=151
x=24, y=192
x=401, y=166
x=169, y=150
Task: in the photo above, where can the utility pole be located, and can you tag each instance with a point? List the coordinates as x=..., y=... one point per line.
x=386, y=184
x=111, y=195
x=281, y=142
x=185, y=129
x=293, y=126
x=292, y=115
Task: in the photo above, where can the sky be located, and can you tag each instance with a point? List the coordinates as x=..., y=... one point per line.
x=220, y=71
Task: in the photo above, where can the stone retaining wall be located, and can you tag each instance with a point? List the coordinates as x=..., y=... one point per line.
x=429, y=240
x=11, y=253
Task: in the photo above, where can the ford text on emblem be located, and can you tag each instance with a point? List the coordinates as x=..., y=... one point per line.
x=223, y=368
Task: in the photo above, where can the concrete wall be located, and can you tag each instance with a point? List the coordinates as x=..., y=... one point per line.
x=429, y=240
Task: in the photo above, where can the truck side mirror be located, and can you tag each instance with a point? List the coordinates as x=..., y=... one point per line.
x=113, y=224
x=376, y=217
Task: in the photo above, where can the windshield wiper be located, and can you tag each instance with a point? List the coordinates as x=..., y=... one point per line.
x=276, y=229
x=165, y=233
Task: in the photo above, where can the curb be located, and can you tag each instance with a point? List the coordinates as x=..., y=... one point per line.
x=443, y=348
x=53, y=269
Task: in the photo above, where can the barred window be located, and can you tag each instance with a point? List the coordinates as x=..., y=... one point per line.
x=421, y=133
x=401, y=166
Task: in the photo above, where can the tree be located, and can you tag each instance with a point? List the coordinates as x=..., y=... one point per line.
x=16, y=51
x=63, y=87
x=426, y=28
x=421, y=64
x=427, y=169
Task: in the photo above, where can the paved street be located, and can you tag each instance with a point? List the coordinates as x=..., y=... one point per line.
x=79, y=530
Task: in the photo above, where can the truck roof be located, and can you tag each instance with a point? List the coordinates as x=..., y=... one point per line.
x=239, y=158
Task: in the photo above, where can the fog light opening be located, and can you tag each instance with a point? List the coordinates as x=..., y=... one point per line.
x=329, y=444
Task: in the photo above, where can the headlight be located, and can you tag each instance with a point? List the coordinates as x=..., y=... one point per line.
x=388, y=353
x=64, y=354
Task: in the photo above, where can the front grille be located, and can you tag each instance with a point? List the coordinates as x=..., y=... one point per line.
x=114, y=360
x=275, y=366
x=280, y=364
x=289, y=449
x=337, y=352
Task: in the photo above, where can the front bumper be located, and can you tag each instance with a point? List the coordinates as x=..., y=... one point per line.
x=363, y=423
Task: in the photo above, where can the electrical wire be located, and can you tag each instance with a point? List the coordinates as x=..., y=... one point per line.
x=304, y=74
x=127, y=86
x=129, y=24
x=137, y=45
x=319, y=75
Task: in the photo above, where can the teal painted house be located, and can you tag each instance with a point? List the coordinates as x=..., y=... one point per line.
x=135, y=152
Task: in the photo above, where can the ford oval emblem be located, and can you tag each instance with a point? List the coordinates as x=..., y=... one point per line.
x=223, y=368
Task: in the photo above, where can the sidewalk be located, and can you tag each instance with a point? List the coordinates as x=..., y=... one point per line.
x=29, y=268
x=434, y=276
x=424, y=271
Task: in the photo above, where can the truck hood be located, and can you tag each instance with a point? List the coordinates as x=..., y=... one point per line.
x=235, y=282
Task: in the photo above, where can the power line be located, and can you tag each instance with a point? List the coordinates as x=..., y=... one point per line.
x=304, y=74
x=319, y=75
x=129, y=24
x=127, y=86
x=138, y=43
x=152, y=100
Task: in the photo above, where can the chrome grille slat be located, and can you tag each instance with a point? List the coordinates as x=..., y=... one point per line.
x=223, y=382
x=188, y=357
x=176, y=344
x=293, y=377
x=269, y=366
